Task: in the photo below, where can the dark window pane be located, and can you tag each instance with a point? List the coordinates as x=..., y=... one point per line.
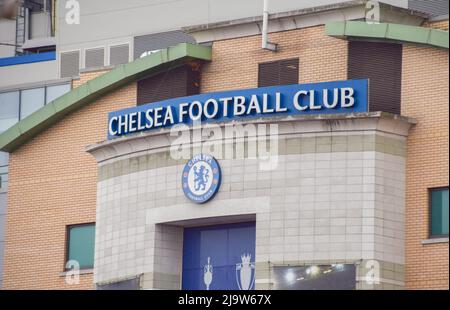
x=439, y=212
x=281, y=72
x=381, y=63
x=81, y=245
x=177, y=82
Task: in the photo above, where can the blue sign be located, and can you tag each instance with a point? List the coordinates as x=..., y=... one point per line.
x=201, y=178
x=219, y=257
x=299, y=99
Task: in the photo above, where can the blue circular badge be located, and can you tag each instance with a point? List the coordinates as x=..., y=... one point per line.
x=201, y=178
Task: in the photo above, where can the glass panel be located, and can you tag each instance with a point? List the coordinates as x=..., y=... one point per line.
x=31, y=100
x=81, y=245
x=3, y=170
x=439, y=212
x=56, y=91
x=9, y=109
x=319, y=277
x=3, y=180
x=4, y=157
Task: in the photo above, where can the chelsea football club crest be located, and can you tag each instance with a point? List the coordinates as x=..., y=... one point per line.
x=201, y=178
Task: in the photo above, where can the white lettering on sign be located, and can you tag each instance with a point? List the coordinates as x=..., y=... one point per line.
x=329, y=97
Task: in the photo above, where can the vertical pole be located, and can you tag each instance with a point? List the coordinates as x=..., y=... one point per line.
x=264, y=25
x=265, y=44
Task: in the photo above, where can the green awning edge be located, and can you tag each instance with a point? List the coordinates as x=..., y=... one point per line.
x=56, y=110
x=387, y=31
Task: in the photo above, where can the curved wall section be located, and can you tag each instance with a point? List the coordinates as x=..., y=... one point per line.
x=335, y=194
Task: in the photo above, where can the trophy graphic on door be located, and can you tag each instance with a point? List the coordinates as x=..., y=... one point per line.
x=245, y=273
x=208, y=273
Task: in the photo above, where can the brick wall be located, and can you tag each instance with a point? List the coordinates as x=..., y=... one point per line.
x=53, y=183
x=425, y=97
x=235, y=61
x=442, y=25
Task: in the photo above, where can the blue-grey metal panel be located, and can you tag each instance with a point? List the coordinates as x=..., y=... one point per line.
x=433, y=7
x=157, y=41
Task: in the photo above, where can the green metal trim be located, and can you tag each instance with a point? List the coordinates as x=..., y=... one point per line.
x=56, y=110
x=386, y=31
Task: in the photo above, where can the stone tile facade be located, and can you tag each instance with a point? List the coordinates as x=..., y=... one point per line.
x=335, y=196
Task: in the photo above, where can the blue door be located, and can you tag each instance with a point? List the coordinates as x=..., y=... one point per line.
x=219, y=257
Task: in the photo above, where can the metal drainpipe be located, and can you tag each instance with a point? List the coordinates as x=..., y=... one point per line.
x=265, y=43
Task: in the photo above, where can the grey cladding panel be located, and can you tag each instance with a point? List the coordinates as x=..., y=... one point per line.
x=156, y=41
x=119, y=54
x=70, y=64
x=95, y=57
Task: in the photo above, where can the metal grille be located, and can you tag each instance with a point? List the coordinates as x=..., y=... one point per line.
x=70, y=64
x=281, y=72
x=381, y=63
x=119, y=54
x=95, y=57
x=177, y=82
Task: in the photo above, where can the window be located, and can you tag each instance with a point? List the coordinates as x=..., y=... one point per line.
x=281, y=72
x=9, y=109
x=381, y=63
x=31, y=100
x=438, y=212
x=16, y=105
x=3, y=177
x=177, y=82
x=80, y=244
x=4, y=157
x=56, y=91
